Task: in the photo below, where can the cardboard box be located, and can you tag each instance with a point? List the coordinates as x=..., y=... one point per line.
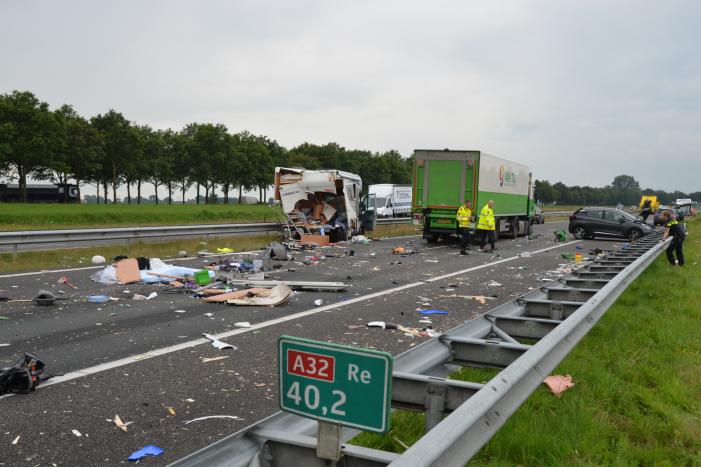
x=321, y=240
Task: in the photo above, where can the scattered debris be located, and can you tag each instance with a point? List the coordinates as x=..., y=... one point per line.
x=24, y=375
x=273, y=297
x=559, y=383
x=213, y=359
x=139, y=297
x=233, y=417
x=77, y=433
x=14, y=441
x=120, y=424
x=493, y=284
x=149, y=450
x=97, y=259
x=64, y=280
x=219, y=344
x=128, y=271
x=318, y=302
x=381, y=324
x=242, y=324
x=171, y=411
x=209, y=315
x=180, y=311
x=294, y=285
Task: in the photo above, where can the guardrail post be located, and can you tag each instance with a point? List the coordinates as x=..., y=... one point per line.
x=328, y=442
x=435, y=403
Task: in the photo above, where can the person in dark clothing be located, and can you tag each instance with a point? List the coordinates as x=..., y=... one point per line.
x=676, y=231
x=646, y=211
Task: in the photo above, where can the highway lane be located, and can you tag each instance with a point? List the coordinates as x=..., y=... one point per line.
x=82, y=335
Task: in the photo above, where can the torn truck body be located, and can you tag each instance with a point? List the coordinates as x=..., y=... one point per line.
x=324, y=202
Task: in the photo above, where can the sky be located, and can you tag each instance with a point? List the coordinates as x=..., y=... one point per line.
x=580, y=91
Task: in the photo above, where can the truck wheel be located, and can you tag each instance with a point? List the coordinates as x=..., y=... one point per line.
x=432, y=238
x=514, y=228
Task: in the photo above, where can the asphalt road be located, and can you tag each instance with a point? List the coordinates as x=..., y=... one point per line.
x=152, y=359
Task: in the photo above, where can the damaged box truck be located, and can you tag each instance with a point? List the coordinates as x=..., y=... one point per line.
x=323, y=206
x=444, y=179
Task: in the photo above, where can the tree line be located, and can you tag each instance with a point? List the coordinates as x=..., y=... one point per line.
x=624, y=189
x=110, y=151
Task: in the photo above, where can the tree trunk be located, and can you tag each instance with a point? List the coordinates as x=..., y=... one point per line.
x=155, y=189
x=225, y=189
x=128, y=192
x=114, y=184
x=183, y=191
x=104, y=189
x=65, y=188
x=206, y=194
x=97, y=186
x=138, y=191
x=198, y=193
x=22, y=185
x=170, y=192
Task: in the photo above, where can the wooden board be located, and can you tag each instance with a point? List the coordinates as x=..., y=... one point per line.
x=321, y=240
x=128, y=271
x=221, y=298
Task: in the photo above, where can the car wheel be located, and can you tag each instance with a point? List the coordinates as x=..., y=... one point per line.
x=634, y=235
x=579, y=232
x=433, y=238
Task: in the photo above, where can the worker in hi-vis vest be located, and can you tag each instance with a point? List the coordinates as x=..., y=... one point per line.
x=486, y=226
x=464, y=218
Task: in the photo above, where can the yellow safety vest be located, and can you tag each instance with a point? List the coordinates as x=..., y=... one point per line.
x=463, y=217
x=486, y=221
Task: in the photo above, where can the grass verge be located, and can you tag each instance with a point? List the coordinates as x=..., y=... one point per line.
x=77, y=257
x=15, y=216
x=638, y=386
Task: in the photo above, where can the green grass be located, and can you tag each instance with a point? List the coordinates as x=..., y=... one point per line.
x=637, y=394
x=14, y=216
x=76, y=257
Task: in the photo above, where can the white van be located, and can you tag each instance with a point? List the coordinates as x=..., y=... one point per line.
x=391, y=200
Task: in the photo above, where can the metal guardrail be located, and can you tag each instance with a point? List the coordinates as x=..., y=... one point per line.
x=460, y=416
x=28, y=237
x=129, y=233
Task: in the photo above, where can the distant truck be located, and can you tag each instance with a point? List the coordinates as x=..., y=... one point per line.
x=64, y=193
x=444, y=179
x=391, y=200
x=684, y=205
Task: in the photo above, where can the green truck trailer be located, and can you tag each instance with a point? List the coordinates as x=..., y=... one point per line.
x=444, y=179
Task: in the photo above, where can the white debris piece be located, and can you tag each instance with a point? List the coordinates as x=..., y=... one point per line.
x=219, y=344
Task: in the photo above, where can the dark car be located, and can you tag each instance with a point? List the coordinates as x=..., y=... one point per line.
x=538, y=217
x=607, y=222
x=675, y=213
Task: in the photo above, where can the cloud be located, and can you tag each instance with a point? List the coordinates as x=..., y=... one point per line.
x=580, y=91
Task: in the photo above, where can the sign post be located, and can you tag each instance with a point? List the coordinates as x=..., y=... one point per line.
x=337, y=385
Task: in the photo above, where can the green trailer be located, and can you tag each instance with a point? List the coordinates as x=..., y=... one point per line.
x=444, y=179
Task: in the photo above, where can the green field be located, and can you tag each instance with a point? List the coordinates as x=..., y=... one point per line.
x=15, y=216
x=637, y=394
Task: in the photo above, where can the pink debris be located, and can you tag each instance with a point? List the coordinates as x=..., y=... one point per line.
x=559, y=384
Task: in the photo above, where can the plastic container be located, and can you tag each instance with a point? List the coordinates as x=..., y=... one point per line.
x=202, y=277
x=578, y=258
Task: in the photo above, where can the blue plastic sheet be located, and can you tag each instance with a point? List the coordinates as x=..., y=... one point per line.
x=433, y=312
x=150, y=450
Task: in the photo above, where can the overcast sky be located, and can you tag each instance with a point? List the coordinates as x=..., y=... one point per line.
x=580, y=91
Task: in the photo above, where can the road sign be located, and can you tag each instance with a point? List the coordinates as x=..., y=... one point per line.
x=335, y=383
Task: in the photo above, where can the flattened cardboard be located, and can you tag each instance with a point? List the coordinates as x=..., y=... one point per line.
x=321, y=240
x=128, y=271
x=221, y=298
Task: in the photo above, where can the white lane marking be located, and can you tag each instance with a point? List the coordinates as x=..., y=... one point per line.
x=186, y=345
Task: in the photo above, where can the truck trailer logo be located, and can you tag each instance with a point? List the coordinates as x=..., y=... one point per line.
x=506, y=176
